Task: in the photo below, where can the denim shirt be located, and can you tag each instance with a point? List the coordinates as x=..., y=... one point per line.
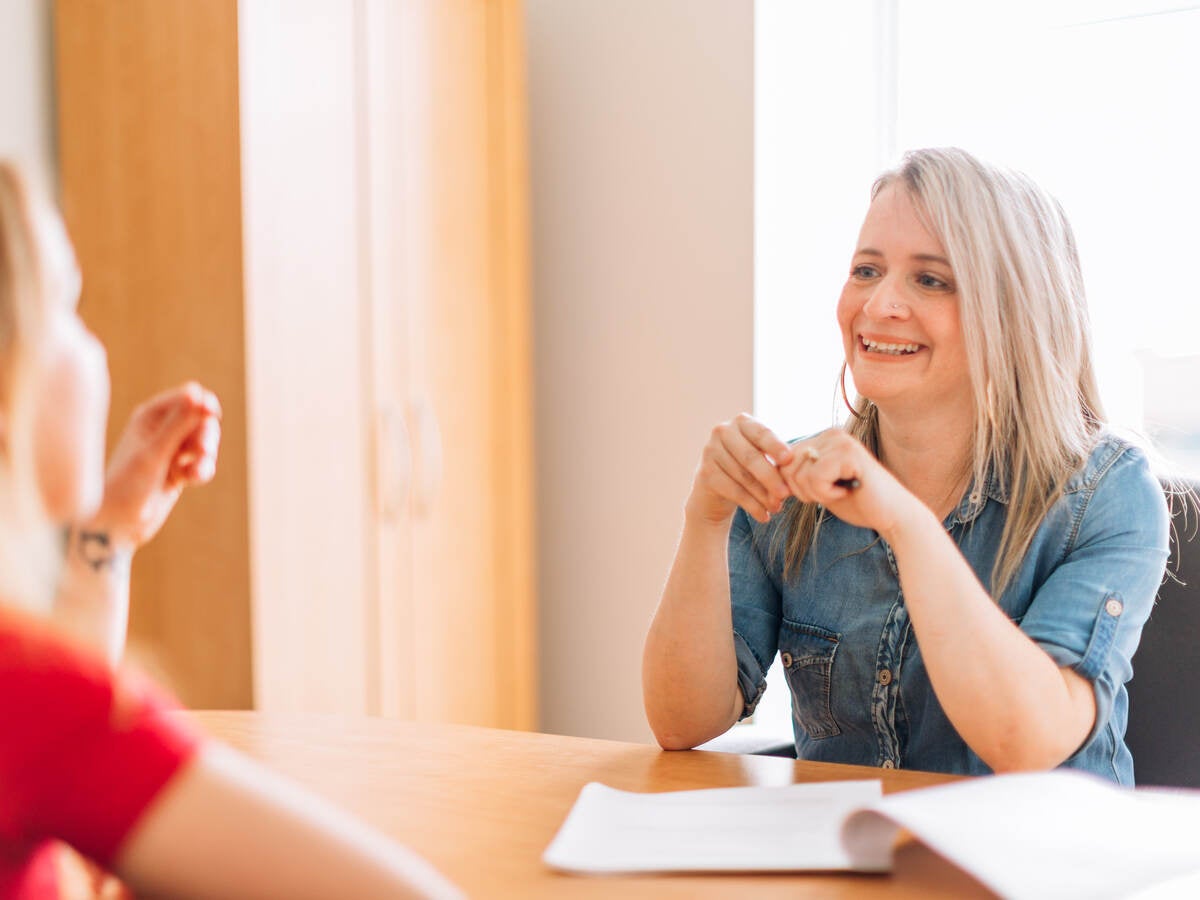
x=860, y=690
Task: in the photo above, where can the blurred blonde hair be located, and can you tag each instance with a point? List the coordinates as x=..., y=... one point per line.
x=29, y=544
x=1027, y=336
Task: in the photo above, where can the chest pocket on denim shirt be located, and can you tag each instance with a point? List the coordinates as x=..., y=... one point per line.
x=807, y=653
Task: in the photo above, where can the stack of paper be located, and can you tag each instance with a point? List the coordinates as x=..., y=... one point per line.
x=1061, y=834
x=722, y=830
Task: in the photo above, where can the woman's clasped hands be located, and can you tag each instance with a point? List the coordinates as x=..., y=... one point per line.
x=745, y=464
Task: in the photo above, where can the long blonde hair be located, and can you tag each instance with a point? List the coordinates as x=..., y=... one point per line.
x=29, y=554
x=1026, y=334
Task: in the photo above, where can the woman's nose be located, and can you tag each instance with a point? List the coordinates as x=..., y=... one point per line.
x=885, y=302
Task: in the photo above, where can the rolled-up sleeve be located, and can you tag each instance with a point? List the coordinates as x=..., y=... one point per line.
x=1089, y=613
x=756, y=610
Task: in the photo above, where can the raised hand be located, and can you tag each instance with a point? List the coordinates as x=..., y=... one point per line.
x=171, y=441
x=740, y=467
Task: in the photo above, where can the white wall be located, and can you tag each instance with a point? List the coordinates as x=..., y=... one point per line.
x=642, y=156
x=26, y=92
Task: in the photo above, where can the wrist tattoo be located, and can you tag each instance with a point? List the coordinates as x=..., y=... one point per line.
x=97, y=551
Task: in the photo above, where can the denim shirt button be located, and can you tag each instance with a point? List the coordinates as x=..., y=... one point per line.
x=885, y=676
x=786, y=659
x=1114, y=607
x=887, y=764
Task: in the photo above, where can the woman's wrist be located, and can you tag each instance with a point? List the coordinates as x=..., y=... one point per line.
x=913, y=520
x=702, y=522
x=100, y=548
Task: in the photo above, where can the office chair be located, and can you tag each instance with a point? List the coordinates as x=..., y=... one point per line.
x=1164, y=703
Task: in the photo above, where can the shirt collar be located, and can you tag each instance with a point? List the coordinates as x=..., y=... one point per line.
x=975, y=499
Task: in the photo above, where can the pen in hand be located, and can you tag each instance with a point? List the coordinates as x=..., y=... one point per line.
x=848, y=483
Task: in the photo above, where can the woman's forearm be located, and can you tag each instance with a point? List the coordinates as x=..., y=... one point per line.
x=1005, y=696
x=689, y=667
x=92, y=602
x=227, y=827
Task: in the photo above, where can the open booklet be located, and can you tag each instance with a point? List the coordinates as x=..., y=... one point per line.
x=1054, y=834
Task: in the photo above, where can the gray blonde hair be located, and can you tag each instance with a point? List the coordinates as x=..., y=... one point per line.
x=29, y=545
x=1027, y=338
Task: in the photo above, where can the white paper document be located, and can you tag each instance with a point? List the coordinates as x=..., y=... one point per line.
x=721, y=830
x=1056, y=834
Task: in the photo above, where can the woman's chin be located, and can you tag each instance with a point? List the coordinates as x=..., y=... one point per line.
x=880, y=394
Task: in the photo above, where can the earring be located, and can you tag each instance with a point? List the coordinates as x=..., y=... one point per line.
x=845, y=399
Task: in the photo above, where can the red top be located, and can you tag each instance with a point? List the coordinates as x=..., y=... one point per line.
x=83, y=752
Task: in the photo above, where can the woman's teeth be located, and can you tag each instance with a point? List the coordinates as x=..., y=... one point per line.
x=894, y=349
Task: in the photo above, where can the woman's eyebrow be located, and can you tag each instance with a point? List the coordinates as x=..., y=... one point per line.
x=918, y=257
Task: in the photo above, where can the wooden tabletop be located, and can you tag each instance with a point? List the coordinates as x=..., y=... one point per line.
x=483, y=804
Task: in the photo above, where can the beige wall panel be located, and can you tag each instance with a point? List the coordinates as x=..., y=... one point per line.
x=642, y=152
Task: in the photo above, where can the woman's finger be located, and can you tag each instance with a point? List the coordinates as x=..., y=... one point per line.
x=175, y=431
x=725, y=486
x=163, y=409
x=206, y=439
x=800, y=487
x=823, y=472
x=733, y=470
x=764, y=439
x=758, y=468
x=803, y=475
x=202, y=471
x=151, y=413
x=203, y=440
x=198, y=470
x=194, y=468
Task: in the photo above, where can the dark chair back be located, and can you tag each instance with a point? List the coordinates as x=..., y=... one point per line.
x=1164, y=694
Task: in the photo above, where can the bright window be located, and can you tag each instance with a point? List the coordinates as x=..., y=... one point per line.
x=1094, y=100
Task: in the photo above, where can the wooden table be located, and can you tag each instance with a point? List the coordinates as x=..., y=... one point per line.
x=482, y=804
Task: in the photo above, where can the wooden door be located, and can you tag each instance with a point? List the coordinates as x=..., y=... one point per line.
x=147, y=105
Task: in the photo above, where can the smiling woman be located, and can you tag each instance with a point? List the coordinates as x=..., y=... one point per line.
x=957, y=580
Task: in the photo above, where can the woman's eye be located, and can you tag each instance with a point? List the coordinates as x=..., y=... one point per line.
x=931, y=281
x=864, y=271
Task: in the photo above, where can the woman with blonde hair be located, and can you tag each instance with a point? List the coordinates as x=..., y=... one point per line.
x=91, y=756
x=957, y=579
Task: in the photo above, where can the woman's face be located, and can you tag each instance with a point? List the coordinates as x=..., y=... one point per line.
x=899, y=312
x=71, y=390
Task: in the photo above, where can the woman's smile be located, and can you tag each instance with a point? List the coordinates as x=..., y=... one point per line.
x=888, y=347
